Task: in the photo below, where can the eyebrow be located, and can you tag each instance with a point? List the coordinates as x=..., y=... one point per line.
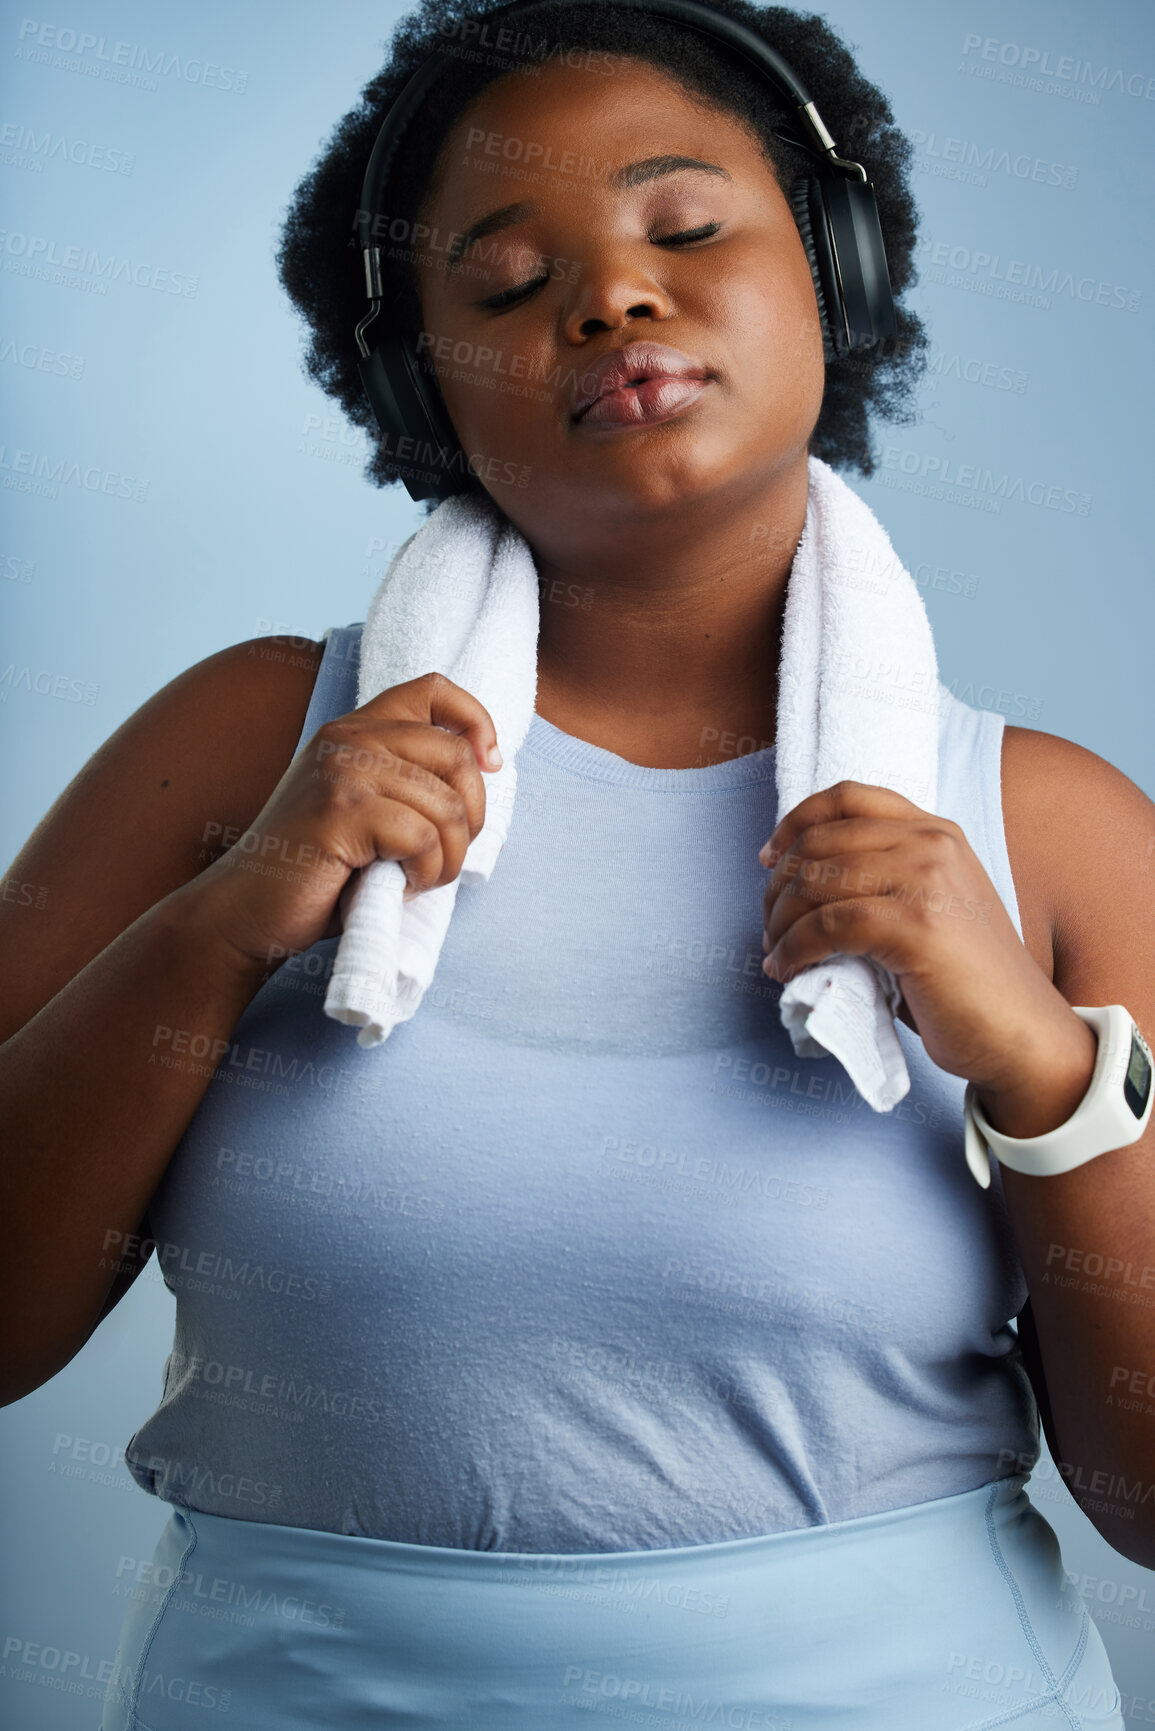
x=632, y=175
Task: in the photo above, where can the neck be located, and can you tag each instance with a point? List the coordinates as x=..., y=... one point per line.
x=663, y=643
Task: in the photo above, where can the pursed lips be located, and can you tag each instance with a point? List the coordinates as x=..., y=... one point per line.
x=636, y=364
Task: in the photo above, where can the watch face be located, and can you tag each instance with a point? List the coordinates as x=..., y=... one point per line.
x=1137, y=1082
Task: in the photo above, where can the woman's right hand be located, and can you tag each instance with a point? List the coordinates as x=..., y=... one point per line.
x=397, y=779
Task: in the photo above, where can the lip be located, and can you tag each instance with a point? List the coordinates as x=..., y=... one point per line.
x=633, y=364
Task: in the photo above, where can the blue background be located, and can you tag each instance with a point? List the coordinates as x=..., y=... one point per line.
x=255, y=517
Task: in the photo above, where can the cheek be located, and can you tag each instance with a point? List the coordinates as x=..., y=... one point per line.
x=466, y=374
x=469, y=385
x=779, y=334
x=498, y=391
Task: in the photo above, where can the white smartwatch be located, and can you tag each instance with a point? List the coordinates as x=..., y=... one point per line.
x=1113, y=1112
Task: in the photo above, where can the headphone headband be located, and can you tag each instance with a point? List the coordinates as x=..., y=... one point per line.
x=691, y=13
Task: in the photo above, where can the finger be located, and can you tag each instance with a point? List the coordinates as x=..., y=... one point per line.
x=843, y=799
x=435, y=698
x=843, y=837
x=435, y=797
x=377, y=754
x=399, y=831
x=448, y=757
x=872, y=926
x=847, y=853
x=858, y=878
x=442, y=789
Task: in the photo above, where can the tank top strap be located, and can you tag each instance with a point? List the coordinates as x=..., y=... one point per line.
x=335, y=688
x=970, y=787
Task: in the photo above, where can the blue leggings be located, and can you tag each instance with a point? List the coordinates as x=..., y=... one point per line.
x=952, y=1615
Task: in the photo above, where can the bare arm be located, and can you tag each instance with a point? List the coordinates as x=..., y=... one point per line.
x=1082, y=833
x=92, y=1114
x=105, y=936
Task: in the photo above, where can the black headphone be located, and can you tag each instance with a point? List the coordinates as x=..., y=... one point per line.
x=834, y=208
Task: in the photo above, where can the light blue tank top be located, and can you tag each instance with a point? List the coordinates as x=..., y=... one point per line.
x=583, y=1258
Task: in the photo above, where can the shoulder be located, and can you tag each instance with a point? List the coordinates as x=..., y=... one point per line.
x=1081, y=841
x=244, y=676
x=284, y=662
x=261, y=687
x=222, y=733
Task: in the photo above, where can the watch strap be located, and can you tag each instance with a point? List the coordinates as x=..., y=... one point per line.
x=1113, y=1112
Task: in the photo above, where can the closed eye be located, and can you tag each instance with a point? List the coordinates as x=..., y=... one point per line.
x=507, y=297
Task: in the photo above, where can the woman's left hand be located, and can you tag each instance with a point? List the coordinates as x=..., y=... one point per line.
x=862, y=871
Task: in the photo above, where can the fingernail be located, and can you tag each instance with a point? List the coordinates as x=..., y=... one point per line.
x=494, y=757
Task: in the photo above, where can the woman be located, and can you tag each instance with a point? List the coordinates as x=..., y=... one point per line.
x=532, y=1363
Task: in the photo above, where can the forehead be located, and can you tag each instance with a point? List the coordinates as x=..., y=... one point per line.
x=635, y=110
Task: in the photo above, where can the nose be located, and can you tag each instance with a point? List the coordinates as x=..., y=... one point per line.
x=609, y=291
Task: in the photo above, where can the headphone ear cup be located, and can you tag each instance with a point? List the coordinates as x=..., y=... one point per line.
x=838, y=223
x=868, y=320
x=804, y=190
x=409, y=408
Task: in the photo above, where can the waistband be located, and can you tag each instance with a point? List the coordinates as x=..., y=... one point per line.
x=954, y=1613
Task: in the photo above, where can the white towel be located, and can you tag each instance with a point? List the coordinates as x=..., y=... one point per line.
x=460, y=597
x=858, y=698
